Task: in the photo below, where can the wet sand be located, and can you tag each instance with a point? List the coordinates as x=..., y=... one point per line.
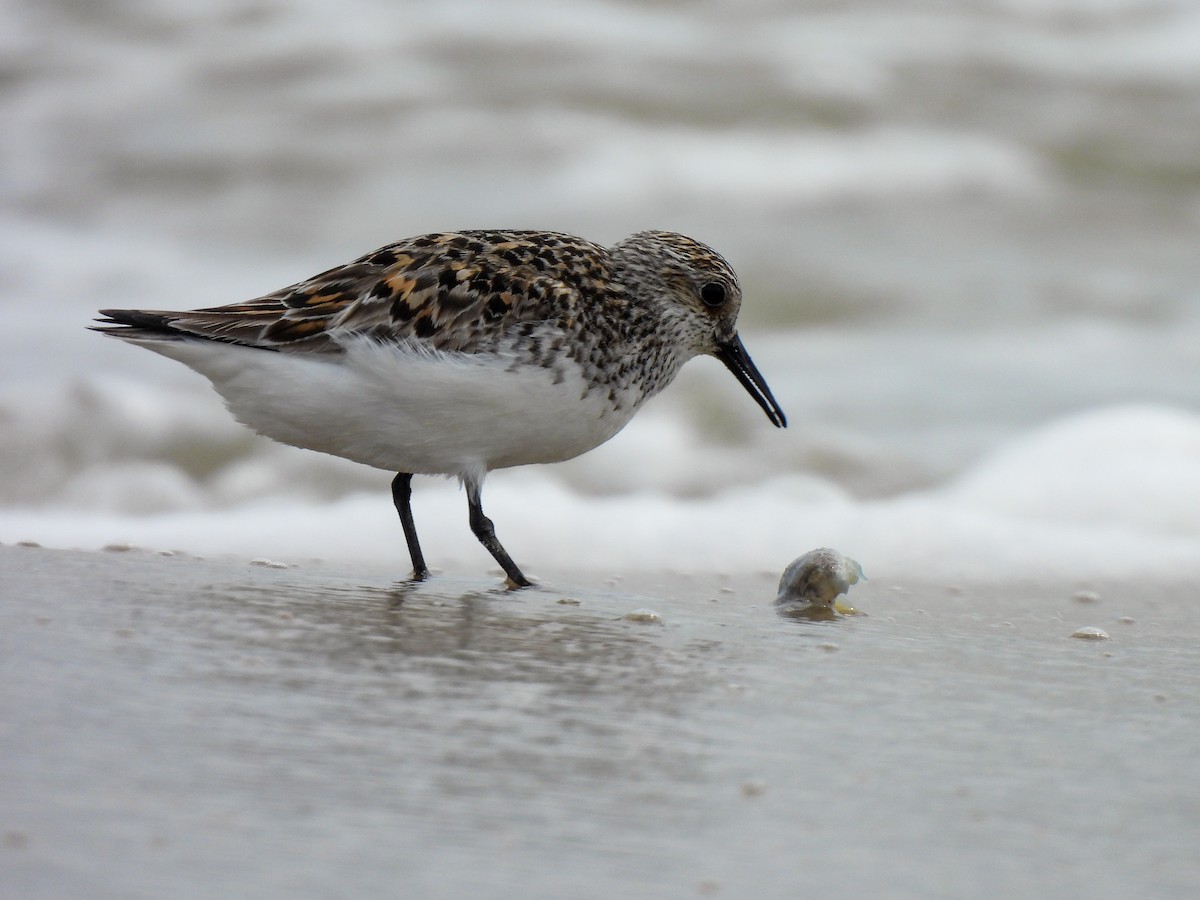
x=210, y=728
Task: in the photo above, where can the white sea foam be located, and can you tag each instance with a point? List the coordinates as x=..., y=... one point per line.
x=1129, y=468
x=755, y=169
x=868, y=49
x=954, y=454
x=1036, y=508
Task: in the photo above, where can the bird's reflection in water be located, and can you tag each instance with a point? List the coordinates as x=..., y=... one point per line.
x=460, y=629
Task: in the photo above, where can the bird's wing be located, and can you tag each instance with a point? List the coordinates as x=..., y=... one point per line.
x=448, y=291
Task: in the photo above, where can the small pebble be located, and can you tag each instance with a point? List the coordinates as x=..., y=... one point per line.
x=568, y=601
x=16, y=840
x=1126, y=620
x=1090, y=633
x=268, y=564
x=753, y=788
x=1085, y=597
x=643, y=615
x=117, y=548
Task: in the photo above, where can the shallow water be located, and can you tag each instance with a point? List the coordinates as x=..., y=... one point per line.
x=174, y=726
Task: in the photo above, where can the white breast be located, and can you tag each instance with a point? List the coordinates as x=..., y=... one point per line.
x=409, y=410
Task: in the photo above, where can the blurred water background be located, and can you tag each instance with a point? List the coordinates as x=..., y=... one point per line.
x=967, y=234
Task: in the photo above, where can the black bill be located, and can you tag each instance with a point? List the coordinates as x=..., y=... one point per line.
x=738, y=361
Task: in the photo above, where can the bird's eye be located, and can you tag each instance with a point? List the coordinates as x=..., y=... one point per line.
x=713, y=294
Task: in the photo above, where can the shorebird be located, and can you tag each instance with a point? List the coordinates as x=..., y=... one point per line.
x=462, y=352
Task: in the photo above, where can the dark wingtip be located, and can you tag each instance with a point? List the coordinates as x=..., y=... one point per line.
x=137, y=325
x=136, y=318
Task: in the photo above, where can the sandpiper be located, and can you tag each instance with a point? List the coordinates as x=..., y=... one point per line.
x=462, y=352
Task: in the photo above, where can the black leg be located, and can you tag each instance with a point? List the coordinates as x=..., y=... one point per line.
x=402, y=497
x=482, y=526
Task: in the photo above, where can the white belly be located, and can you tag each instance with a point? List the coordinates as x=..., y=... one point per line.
x=408, y=411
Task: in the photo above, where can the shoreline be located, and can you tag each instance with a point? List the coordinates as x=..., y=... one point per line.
x=178, y=725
